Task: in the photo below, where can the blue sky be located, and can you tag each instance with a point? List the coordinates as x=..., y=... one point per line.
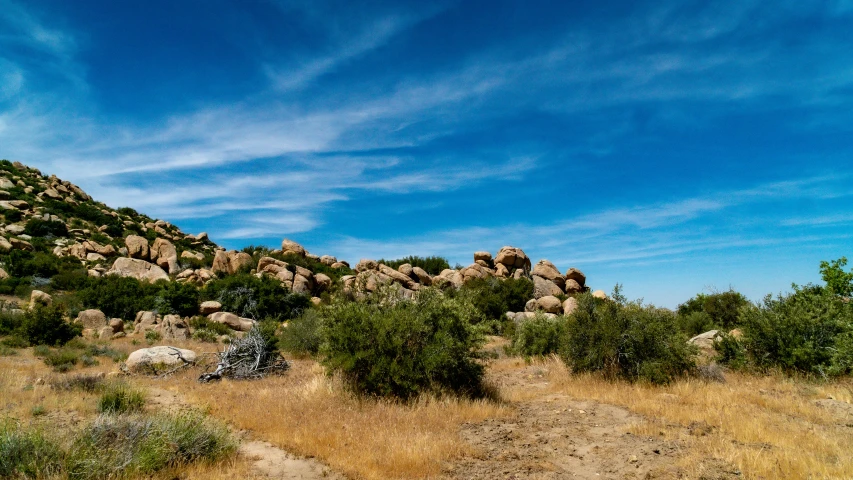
x=671, y=146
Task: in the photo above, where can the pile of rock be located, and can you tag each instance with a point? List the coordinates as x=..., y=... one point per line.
x=96, y=324
x=298, y=279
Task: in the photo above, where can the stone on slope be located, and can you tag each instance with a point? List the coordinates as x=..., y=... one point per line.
x=232, y=321
x=92, y=318
x=550, y=304
x=543, y=287
x=548, y=271
x=290, y=247
x=138, y=269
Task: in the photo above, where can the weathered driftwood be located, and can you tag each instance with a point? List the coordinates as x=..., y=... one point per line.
x=247, y=357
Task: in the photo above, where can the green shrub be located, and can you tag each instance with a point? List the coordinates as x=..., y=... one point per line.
x=152, y=337
x=626, y=340
x=432, y=265
x=494, y=297
x=540, y=335
x=46, y=325
x=799, y=332
x=203, y=323
x=119, y=397
x=837, y=280
x=119, y=297
x=22, y=263
x=721, y=309
x=730, y=352
x=27, y=453
x=386, y=346
x=38, y=227
x=205, y=335
x=137, y=446
x=15, y=341
x=10, y=322
x=258, y=298
x=12, y=216
x=695, y=323
x=178, y=298
x=303, y=334
x=61, y=359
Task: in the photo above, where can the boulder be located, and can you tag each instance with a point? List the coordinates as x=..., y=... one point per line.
x=139, y=269
x=289, y=247
x=576, y=275
x=302, y=284
x=116, y=325
x=365, y=264
x=550, y=304
x=513, y=257
x=531, y=305
x=545, y=269
x=3, y=274
x=165, y=255
x=573, y=286
x=265, y=262
x=94, y=319
x=338, y=265
x=396, y=276
x=6, y=184
x=137, y=247
x=37, y=297
x=95, y=257
x=423, y=277
x=542, y=287
x=104, y=333
x=475, y=270
x=19, y=244
x=405, y=269
x=599, y=294
x=190, y=255
x=15, y=229
x=501, y=271
x=174, y=327
x=519, y=273
x=705, y=341
x=484, y=257
x=220, y=262
x=145, y=321
x=570, y=305
x=5, y=245
x=238, y=261
x=328, y=260
x=105, y=250
x=142, y=359
x=322, y=282
x=232, y=321
x=208, y=307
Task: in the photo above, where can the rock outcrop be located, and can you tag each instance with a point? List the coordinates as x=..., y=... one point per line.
x=138, y=269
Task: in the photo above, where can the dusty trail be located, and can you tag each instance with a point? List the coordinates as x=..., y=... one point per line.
x=268, y=460
x=554, y=436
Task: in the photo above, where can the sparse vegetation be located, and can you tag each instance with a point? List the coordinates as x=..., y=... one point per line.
x=118, y=397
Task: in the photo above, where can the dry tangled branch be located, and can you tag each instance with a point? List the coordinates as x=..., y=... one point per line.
x=247, y=357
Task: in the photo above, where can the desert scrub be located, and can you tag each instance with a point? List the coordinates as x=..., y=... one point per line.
x=46, y=325
x=27, y=453
x=627, y=340
x=119, y=397
x=387, y=346
x=257, y=298
x=805, y=332
x=302, y=335
x=540, y=336
x=126, y=446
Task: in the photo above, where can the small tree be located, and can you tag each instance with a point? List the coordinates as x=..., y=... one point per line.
x=837, y=280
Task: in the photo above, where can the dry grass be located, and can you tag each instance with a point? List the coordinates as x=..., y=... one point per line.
x=769, y=427
x=309, y=414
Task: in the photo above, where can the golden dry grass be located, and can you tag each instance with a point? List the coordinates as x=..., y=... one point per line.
x=309, y=414
x=769, y=427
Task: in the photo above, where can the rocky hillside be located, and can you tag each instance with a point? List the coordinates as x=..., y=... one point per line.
x=54, y=226
x=45, y=213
